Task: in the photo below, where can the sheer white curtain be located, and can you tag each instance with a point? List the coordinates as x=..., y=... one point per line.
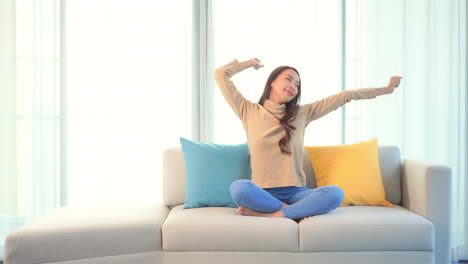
x=425, y=42
x=29, y=111
x=128, y=75
x=303, y=34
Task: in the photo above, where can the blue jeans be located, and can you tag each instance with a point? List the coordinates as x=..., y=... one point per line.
x=302, y=201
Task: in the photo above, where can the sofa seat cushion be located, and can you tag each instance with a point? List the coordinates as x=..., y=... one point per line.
x=221, y=229
x=70, y=233
x=366, y=228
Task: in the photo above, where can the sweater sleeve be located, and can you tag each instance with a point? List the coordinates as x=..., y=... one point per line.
x=322, y=107
x=234, y=98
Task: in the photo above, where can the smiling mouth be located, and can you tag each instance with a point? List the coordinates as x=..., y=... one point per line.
x=289, y=92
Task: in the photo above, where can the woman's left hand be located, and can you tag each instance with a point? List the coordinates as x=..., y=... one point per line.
x=394, y=82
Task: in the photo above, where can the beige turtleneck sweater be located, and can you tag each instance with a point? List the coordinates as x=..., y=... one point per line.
x=271, y=168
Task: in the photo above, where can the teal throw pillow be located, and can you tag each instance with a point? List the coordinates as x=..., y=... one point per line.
x=210, y=170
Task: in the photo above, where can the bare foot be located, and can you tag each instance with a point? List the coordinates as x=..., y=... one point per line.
x=246, y=211
x=304, y=218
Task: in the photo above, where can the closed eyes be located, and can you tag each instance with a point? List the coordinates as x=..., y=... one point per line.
x=289, y=79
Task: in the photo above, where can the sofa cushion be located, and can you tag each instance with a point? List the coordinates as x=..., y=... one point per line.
x=210, y=170
x=390, y=168
x=353, y=167
x=366, y=228
x=86, y=232
x=221, y=229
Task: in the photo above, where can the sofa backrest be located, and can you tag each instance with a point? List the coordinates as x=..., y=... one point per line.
x=174, y=174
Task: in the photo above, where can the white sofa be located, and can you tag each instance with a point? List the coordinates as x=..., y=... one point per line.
x=414, y=231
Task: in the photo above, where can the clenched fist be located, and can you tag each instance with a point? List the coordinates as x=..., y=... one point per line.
x=256, y=64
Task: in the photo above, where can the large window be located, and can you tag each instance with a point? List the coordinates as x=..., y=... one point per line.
x=128, y=70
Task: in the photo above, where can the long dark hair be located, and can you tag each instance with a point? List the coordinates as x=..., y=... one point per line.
x=291, y=107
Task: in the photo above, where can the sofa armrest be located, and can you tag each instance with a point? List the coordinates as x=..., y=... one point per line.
x=426, y=190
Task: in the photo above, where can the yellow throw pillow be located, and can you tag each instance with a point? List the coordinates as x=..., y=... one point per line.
x=355, y=168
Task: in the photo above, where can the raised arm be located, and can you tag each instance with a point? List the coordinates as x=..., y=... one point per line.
x=322, y=107
x=234, y=98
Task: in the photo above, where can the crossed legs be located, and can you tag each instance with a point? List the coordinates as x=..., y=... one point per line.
x=255, y=201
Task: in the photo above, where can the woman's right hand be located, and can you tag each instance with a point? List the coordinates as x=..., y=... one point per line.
x=256, y=64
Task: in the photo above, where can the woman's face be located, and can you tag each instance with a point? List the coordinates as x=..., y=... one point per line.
x=285, y=87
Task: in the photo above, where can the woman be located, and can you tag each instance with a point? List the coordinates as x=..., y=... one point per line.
x=275, y=135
